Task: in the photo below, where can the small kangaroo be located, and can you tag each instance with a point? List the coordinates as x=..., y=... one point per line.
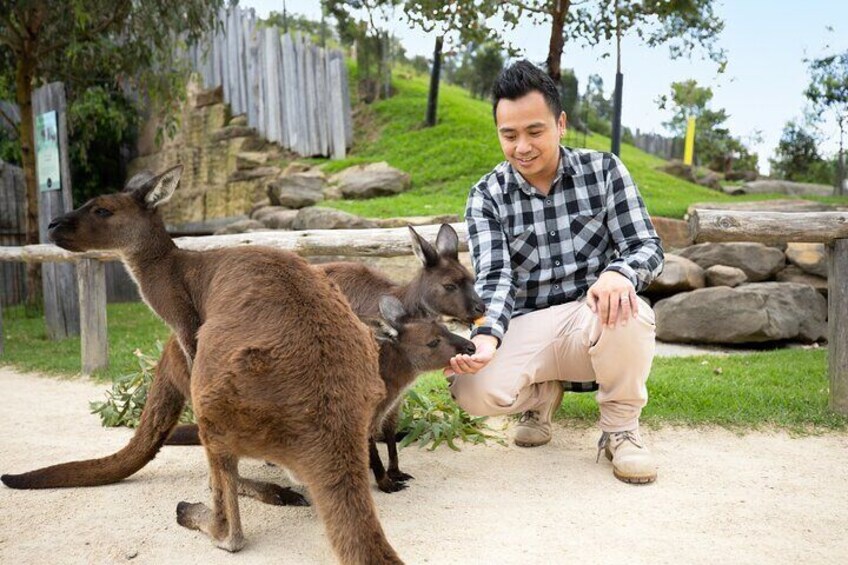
x=283, y=369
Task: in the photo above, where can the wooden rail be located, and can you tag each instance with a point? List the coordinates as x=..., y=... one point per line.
x=91, y=278
x=830, y=228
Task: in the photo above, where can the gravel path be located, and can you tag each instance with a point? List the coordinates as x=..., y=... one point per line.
x=757, y=498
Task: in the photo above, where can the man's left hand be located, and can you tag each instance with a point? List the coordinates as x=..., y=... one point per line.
x=613, y=299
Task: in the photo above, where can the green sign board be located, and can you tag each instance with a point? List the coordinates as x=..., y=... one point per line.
x=47, y=152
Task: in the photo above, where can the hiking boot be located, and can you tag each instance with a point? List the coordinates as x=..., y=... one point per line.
x=534, y=426
x=631, y=460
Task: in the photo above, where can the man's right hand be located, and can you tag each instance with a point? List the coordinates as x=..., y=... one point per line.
x=486, y=346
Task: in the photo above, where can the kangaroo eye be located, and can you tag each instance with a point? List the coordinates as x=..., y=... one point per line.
x=102, y=212
x=450, y=287
x=435, y=343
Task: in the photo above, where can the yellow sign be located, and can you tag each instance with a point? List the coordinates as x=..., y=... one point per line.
x=689, y=148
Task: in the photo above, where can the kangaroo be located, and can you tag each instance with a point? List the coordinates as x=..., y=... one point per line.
x=442, y=285
x=283, y=369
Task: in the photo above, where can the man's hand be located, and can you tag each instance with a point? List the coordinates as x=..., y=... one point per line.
x=613, y=299
x=466, y=364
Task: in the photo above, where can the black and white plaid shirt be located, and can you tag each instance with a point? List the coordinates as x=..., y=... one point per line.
x=532, y=251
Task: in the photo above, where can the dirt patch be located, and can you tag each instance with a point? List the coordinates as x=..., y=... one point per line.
x=756, y=498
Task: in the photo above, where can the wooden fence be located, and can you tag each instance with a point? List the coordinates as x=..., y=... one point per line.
x=665, y=147
x=12, y=232
x=294, y=93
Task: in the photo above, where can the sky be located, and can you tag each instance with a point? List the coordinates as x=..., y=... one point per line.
x=762, y=88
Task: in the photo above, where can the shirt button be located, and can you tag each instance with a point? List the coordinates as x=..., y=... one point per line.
x=548, y=201
x=557, y=263
x=556, y=286
x=553, y=233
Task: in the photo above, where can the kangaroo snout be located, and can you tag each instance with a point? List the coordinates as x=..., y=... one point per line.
x=469, y=348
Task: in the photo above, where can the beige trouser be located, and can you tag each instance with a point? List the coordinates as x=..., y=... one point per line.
x=565, y=343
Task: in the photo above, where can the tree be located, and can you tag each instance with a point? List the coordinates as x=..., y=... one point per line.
x=797, y=157
x=67, y=39
x=828, y=91
x=680, y=24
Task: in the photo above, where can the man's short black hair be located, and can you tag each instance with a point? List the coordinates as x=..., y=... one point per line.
x=523, y=77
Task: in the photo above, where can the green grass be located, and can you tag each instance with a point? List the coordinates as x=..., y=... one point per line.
x=782, y=388
x=446, y=160
x=130, y=326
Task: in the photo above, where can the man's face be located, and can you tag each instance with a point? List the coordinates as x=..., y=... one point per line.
x=529, y=135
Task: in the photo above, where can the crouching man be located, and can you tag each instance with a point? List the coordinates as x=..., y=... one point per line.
x=561, y=243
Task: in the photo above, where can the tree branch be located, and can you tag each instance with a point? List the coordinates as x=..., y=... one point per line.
x=16, y=31
x=11, y=122
x=89, y=33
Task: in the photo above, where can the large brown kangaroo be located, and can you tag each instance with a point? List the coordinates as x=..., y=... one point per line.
x=442, y=285
x=283, y=369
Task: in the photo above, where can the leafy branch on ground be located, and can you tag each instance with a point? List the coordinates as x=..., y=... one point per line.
x=128, y=396
x=429, y=417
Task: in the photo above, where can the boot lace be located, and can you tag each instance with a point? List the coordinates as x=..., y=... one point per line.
x=617, y=438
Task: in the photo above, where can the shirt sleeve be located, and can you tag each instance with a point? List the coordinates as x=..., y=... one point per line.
x=640, y=254
x=491, y=260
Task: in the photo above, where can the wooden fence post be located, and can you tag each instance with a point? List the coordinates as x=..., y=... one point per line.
x=94, y=344
x=837, y=319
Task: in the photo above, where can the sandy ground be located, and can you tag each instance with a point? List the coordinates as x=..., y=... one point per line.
x=757, y=498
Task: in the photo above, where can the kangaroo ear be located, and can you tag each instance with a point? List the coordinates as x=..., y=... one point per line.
x=159, y=190
x=425, y=252
x=447, y=242
x=392, y=311
x=382, y=331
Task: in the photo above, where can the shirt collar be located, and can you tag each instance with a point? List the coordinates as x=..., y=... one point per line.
x=565, y=166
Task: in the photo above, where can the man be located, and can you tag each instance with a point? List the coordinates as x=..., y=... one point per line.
x=561, y=242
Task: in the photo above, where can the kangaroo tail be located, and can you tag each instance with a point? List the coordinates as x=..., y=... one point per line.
x=186, y=434
x=164, y=405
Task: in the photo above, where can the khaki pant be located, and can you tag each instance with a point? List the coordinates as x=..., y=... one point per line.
x=565, y=343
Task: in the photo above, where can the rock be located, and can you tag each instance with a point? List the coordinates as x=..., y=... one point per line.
x=746, y=176
x=241, y=227
x=280, y=220
x=758, y=261
x=673, y=233
x=259, y=205
x=809, y=257
x=710, y=179
x=229, y=132
x=404, y=221
x=251, y=174
x=706, y=178
x=296, y=167
x=751, y=313
x=771, y=186
x=722, y=275
x=368, y=181
x=209, y=97
x=240, y=120
x=298, y=190
x=796, y=275
x=263, y=212
x=315, y=218
x=250, y=160
x=766, y=206
x=679, y=275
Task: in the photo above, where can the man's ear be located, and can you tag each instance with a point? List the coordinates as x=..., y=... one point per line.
x=160, y=189
x=562, y=123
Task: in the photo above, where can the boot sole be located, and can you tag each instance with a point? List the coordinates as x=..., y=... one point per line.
x=528, y=444
x=629, y=479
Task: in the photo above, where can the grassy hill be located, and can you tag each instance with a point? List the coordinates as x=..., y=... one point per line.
x=446, y=160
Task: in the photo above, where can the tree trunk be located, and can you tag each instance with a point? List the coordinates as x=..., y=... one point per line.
x=557, y=41
x=839, y=188
x=23, y=93
x=433, y=96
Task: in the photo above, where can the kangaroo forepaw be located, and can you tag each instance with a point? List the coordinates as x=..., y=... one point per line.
x=399, y=476
x=284, y=496
x=387, y=484
x=193, y=515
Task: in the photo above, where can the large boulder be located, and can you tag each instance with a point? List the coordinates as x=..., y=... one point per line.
x=809, y=257
x=280, y=220
x=368, y=181
x=772, y=186
x=758, y=261
x=315, y=218
x=704, y=177
x=679, y=275
x=242, y=226
x=751, y=313
x=298, y=190
x=722, y=275
x=674, y=234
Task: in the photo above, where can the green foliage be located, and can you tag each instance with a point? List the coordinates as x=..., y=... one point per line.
x=475, y=68
x=128, y=396
x=102, y=123
x=430, y=417
x=797, y=157
x=828, y=90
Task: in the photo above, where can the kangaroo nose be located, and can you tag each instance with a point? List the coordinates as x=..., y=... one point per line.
x=54, y=223
x=470, y=348
x=480, y=308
